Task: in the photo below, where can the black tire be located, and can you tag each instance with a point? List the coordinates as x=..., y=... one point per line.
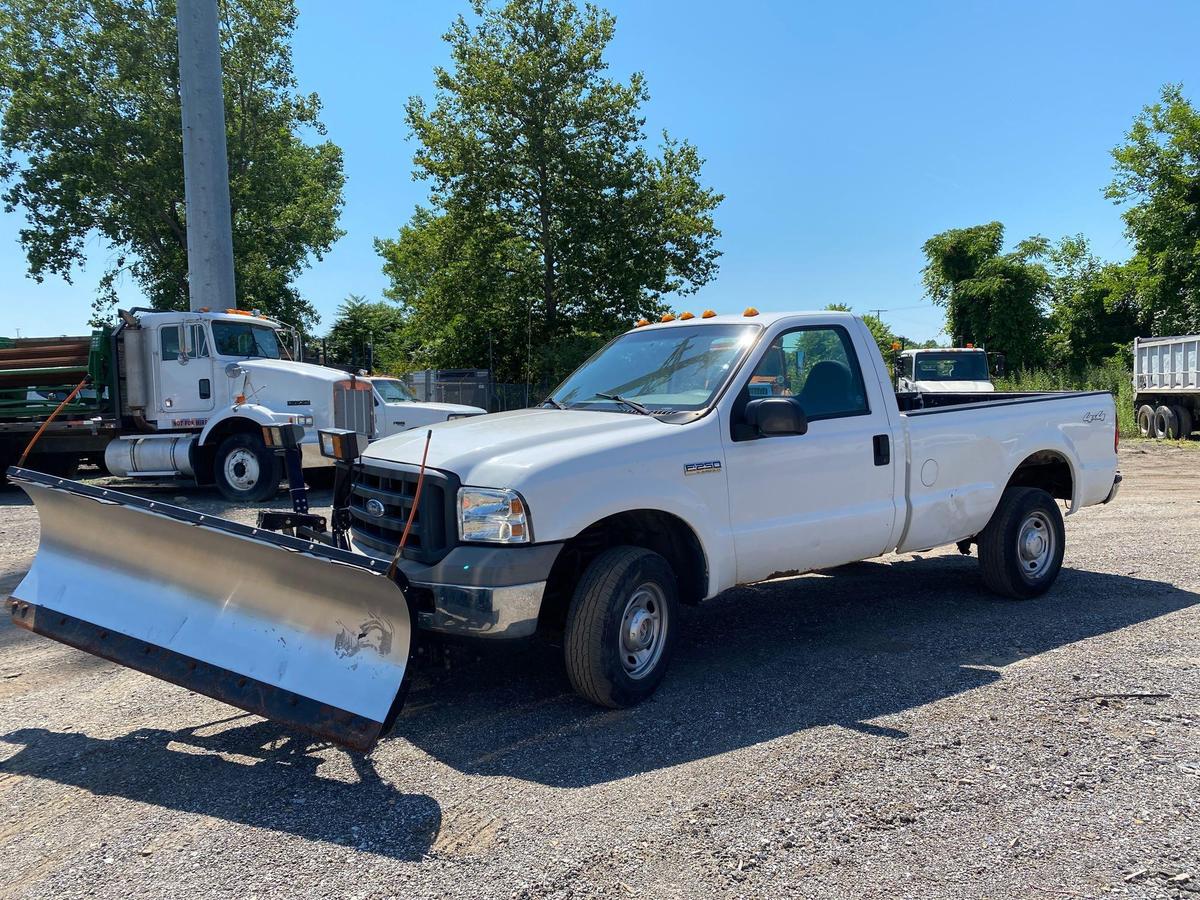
x=1183, y=416
x=235, y=477
x=616, y=581
x=1166, y=426
x=1007, y=568
x=1145, y=420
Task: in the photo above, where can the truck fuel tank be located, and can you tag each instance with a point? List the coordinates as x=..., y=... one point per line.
x=290, y=629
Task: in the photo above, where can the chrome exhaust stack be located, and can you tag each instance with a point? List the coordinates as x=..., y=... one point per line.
x=291, y=629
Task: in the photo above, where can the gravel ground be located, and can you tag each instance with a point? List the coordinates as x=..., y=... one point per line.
x=887, y=729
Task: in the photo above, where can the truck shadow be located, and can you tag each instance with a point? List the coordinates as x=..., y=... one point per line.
x=277, y=788
x=767, y=661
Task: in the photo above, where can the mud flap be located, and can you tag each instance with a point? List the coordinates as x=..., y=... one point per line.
x=290, y=629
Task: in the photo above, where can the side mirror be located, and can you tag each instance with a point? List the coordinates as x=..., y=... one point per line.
x=776, y=416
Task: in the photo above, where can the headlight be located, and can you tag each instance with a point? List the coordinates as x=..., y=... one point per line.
x=496, y=516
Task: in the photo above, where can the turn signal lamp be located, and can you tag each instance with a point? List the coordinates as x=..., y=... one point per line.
x=282, y=437
x=667, y=317
x=708, y=314
x=750, y=311
x=683, y=317
x=895, y=345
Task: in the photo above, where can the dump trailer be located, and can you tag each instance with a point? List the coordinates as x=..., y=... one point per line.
x=1166, y=386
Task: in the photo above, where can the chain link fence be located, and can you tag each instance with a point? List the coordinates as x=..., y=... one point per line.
x=473, y=387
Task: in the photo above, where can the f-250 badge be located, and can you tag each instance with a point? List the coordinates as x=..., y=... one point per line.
x=701, y=467
x=1094, y=416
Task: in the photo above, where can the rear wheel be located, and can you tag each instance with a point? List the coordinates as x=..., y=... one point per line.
x=621, y=627
x=245, y=469
x=1145, y=420
x=1166, y=423
x=1184, y=417
x=1021, y=549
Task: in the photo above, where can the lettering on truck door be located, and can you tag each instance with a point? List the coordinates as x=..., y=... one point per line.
x=802, y=502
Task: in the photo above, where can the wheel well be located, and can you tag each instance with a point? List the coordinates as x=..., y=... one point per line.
x=1047, y=470
x=665, y=534
x=204, y=457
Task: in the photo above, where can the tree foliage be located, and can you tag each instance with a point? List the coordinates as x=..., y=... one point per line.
x=993, y=299
x=92, y=147
x=1093, y=311
x=367, y=335
x=1157, y=172
x=550, y=225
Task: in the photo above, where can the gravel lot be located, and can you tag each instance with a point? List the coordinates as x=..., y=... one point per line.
x=887, y=729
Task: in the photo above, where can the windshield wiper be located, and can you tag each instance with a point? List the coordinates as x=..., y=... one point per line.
x=555, y=403
x=636, y=407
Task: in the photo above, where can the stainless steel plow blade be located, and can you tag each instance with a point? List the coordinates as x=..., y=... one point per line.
x=290, y=629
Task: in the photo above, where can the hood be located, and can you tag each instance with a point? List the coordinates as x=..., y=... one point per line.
x=505, y=449
x=447, y=408
x=954, y=387
x=287, y=366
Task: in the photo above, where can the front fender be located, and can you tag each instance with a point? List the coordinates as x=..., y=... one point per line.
x=259, y=415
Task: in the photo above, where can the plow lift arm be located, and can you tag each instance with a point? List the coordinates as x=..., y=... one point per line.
x=284, y=626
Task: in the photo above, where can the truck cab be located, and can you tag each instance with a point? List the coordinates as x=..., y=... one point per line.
x=397, y=408
x=954, y=370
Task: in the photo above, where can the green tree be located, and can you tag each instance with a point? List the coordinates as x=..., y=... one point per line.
x=1157, y=172
x=1093, y=310
x=992, y=298
x=92, y=147
x=367, y=335
x=880, y=330
x=550, y=226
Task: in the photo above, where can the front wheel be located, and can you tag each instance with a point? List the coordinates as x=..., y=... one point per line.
x=621, y=627
x=1021, y=548
x=245, y=470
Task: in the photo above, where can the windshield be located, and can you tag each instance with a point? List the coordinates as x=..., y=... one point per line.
x=952, y=367
x=667, y=369
x=244, y=339
x=393, y=391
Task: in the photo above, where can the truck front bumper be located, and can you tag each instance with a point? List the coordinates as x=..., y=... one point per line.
x=478, y=591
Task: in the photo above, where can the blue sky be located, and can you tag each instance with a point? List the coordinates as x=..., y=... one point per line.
x=842, y=134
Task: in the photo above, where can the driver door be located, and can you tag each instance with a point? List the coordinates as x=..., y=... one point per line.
x=185, y=370
x=819, y=499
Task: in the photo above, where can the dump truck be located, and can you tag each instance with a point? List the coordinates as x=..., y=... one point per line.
x=172, y=394
x=1166, y=386
x=685, y=458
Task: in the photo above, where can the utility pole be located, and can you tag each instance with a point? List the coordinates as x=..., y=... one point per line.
x=205, y=162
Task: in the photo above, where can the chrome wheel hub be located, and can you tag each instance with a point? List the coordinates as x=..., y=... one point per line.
x=241, y=469
x=1035, y=544
x=643, y=630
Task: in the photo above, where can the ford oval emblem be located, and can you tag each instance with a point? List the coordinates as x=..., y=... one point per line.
x=375, y=508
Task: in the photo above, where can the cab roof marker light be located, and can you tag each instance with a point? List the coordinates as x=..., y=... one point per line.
x=641, y=322
x=683, y=317
x=667, y=317
x=750, y=311
x=708, y=314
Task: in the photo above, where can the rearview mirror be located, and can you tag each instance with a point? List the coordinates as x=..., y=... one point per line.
x=776, y=416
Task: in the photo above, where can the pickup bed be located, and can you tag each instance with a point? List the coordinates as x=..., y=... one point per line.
x=682, y=459
x=741, y=448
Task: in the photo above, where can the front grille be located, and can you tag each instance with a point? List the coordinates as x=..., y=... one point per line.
x=434, y=529
x=354, y=407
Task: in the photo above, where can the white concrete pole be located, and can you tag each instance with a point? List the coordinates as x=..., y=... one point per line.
x=205, y=163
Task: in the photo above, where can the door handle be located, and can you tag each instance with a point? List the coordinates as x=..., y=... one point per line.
x=883, y=449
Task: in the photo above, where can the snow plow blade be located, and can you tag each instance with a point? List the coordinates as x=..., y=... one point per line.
x=290, y=629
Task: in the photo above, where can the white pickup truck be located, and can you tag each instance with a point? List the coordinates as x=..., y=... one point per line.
x=683, y=459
